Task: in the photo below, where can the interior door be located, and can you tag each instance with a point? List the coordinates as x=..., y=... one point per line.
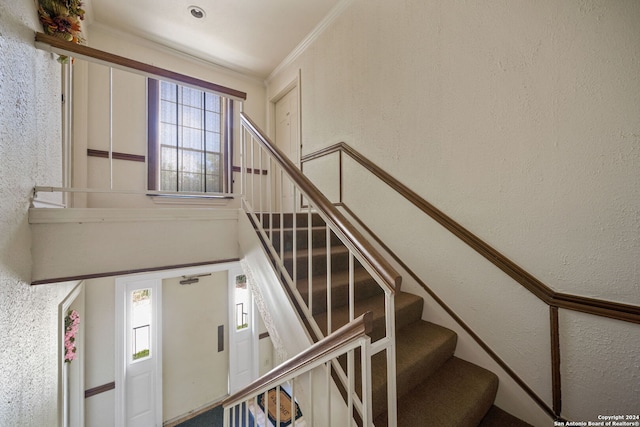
x=287, y=140
x=141, y=353
x=243, y=333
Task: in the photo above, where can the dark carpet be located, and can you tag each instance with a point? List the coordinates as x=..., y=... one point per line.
x=213, y=418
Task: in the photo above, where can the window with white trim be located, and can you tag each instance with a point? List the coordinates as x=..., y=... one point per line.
x=189, y=139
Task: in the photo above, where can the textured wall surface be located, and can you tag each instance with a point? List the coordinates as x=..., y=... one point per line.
x=29, y=155
x=518, y=119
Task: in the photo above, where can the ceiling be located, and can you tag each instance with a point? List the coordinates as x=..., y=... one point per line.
x=249, y=36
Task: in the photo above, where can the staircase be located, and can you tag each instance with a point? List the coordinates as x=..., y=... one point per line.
x=434, y=387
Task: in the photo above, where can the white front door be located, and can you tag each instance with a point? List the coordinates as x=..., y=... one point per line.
x=243, y=357
x=287, y=139
x=140, y=352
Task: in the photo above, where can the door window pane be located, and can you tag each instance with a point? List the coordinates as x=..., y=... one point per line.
x=243, y=300
x=140, y=324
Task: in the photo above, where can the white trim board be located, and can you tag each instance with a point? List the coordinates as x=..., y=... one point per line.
x=86, y=215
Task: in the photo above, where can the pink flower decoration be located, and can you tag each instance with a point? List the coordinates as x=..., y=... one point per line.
x=71, y=324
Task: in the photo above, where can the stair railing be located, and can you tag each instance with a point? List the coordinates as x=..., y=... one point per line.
x=112, y=62
x=555, y=300
x=262, y=397
x=274, y=191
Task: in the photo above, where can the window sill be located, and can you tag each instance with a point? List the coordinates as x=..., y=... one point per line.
x=192, y=199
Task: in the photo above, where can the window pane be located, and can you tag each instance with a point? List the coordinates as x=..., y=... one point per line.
x=213, y=184
x=191, y=182
x=140, y=323
x=168, y=134
x=191, y=117
x=213, y=141
x=192, y=138
x=213, y=121
x=169, y=158
x=190, y=161
x=192, y=97
x=213, y=164
x=168, y=91
x=243, y=300
x=213, y=102
x=169, y=181
x=168, y=112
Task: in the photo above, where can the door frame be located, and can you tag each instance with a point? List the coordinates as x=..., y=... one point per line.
x=121, y=345
x=253, y=330
x=120, y=291
x=294, y=83
x=77, y=293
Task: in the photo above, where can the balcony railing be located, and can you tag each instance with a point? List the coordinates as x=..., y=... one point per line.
x=310, y=372
x=280, y=191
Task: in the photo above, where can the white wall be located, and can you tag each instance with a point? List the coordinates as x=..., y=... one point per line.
x=519, y=120
x=100, y=350
x=266, y=356
x=194, y=372
x=76, y=242
x=29, y=155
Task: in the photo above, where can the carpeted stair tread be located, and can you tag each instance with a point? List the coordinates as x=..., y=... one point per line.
x=496, y=417
x=421, y=348
x=364, y=286
x=408, y=309
x=434, y=387
x=459, y=394
x=318, y=238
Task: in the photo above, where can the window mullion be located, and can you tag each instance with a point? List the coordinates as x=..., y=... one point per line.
x=204, y=139
x=178, y=130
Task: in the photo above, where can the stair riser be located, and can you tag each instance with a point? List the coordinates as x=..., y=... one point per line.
x=404, y=316
x=302, y=220
x=339, y=262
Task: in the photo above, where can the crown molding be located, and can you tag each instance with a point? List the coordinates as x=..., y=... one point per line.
x=150, y=44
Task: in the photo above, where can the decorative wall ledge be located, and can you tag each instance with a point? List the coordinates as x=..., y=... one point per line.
x=105, y=215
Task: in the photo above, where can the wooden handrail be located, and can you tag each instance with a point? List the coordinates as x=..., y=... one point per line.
x=453, y=315
x=359, y=243
x=353, y=330
x=64, y=47
x=610, y=309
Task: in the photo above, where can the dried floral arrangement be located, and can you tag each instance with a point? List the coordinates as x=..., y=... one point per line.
x=62, y=18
